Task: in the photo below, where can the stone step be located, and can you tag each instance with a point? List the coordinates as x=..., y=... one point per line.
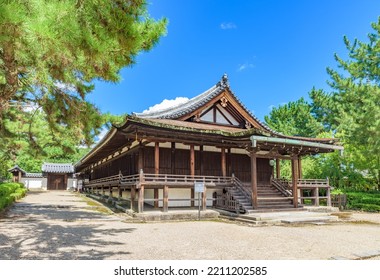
x=286, y=216
x=277, y=207
x=293, y=220
x=277, y=198
x=275, y=210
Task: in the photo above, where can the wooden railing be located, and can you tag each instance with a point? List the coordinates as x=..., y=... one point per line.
x=227, y=202
x=283, y=186
x=103, y=182
x=178, y=180
x=129, y=180
x=159, y=179
x=313, y=188
x=310, y=189
x=246, y=191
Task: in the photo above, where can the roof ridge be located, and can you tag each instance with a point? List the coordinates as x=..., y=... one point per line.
x=185, y=107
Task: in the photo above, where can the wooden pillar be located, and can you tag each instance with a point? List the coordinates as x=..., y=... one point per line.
x=140, y=203
x=140, y=164
x=328, y=193
x=278, y=168
x=166, y=199
x=192, y=171
x=120, y=192
x=202, y=167
x=133, y=196
x=223, y=163
x=157, y=158
x=204, y=199
x=295, y=181
x=192, y=160
x=299, y=168
x=140, y=207
x=156, y=169
x=254, y=179
x=172, y=159
x=229, y=166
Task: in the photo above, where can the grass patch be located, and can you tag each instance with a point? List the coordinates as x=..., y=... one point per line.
x=10, y=192
x=97, y=206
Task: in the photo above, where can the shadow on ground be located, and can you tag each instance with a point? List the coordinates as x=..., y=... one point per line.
x=60, y=232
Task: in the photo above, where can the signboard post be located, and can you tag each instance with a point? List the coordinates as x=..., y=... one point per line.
x=199, y=188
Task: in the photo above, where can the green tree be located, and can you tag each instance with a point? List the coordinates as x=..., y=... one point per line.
x=353, y=106
x=51, y=52
x=294, y=118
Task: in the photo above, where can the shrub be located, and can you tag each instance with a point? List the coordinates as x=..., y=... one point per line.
x=10, y=192
x=363, y=200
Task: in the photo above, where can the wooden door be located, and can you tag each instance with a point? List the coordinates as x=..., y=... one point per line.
x=56, y=182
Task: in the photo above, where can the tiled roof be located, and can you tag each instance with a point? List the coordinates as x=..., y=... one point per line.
x=198, y=101
x=57, y=168
x=184, y=108
x=16, y=168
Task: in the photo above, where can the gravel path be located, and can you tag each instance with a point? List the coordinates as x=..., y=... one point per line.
x=64, y=225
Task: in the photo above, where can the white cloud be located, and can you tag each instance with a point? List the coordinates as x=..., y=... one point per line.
x=245, y=66
x=165, y=104
x=228, y=25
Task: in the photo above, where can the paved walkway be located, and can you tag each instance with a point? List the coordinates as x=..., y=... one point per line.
x=63, y=225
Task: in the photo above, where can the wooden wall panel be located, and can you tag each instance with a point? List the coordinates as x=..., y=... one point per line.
x=264, y=171
x=165, y=161
x=241, y=167
x=239, y=164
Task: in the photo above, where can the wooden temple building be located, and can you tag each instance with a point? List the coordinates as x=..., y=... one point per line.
x=155, y=158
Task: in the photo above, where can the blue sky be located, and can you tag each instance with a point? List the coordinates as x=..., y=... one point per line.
x=272, y=51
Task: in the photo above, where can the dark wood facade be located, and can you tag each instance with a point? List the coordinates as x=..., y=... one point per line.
x=212, y=138
x=177, y=162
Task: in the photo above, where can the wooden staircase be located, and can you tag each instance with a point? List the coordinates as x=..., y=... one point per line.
x=270, y=197
x=242, y=199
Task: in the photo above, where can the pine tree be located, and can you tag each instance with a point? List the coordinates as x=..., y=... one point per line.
x=51, y=52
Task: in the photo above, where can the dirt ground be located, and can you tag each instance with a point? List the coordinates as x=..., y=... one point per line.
x=68, y=226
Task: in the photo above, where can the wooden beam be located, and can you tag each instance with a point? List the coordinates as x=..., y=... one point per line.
x=166, y=199
x=295, y=181
x=254, y=179
x=278, y=168
x=223, y=163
